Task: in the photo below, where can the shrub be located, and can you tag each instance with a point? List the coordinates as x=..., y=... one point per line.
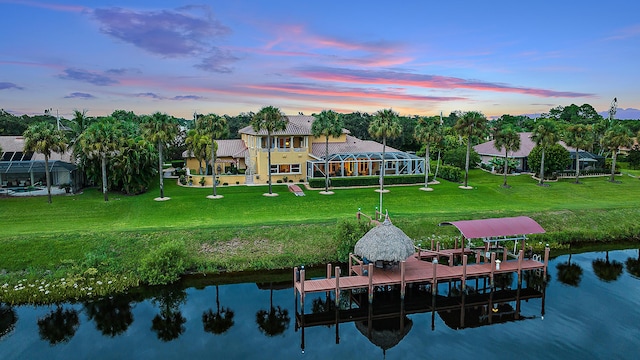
x=164, y=264
x=225, y=184
x=556, y=158
x=458, y=157
x=451, y=173
x=279, y=181
x=347, y=235
x=183, y=180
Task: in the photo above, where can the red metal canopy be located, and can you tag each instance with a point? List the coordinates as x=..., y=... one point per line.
x=488, y=228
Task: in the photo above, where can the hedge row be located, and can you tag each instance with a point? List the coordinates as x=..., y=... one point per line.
x=367, y=181
x=451, y=173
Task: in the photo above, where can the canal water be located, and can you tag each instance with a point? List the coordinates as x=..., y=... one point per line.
x=588, y=309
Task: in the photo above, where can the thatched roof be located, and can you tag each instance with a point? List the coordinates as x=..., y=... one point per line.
x=385, y=333
x=385, y=242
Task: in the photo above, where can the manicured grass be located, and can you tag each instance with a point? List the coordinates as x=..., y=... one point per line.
x=248, y=231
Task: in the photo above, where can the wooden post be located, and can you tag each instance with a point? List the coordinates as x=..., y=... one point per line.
x=302, y=274
x=455, y=243
x=520, y=259
x=464, y=272
x=370, y=283
x=546, y=261
x=402, y=280
x=493, y=268
x=432, y=240
x=451, y=259
x=434, y=282
x=337, y=286
x=329, y=270
x=349, y=273
x=505, y=250
x=296, y=279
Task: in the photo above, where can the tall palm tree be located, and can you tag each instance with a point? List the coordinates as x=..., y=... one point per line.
x=385, y=125
x=617, y=136
x=508, y=139
x=545, y=134
x=327, y=123
x=102, y=139
x=470, y=124
x=198, y=145
x=580, y=137
x=215, y=126
x=271, y=119
x=44, y=138
x=160, y=129
x=428, y=130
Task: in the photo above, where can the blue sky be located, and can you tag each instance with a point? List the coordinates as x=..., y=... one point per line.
x=227, y=57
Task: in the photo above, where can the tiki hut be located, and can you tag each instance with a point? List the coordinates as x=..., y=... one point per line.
x=385, y=333
x=385, y=243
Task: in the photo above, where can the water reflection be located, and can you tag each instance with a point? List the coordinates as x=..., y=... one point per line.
x=8, y=319
x=632, y=264
x=220, y=321
x=112, y=315
x=569, y=273
x=252, y=319
x=169, y=323
x=59, y=326
x=607, y=270
x=275, y=320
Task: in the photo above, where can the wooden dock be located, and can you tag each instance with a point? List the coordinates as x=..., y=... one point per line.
x=416, y=270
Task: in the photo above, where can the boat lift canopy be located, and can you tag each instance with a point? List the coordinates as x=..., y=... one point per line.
x=498, y=229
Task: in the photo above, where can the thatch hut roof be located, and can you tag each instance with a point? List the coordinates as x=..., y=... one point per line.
x=385, y=333
x=385, y=242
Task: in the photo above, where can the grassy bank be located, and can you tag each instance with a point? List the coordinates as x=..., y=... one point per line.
x=81, y=236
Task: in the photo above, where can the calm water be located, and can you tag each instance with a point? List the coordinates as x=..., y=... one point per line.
x=593, y=313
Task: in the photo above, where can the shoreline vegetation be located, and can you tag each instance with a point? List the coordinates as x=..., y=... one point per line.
x=81, y=247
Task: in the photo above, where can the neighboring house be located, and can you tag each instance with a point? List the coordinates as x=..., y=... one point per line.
x=487, y=151
x=20, y=169
x=297, y=155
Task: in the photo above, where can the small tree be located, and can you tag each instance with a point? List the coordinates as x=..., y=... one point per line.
x=271, y=119
x=327, y=123
x=428, y=131
x=580, y=137
x=160, y=129
x=214, y=126
x=384, y=125
x=472, y=123
x=44, y=138
x=545, y=134
x=508, y=139
x=557, y=158
x=615, y=138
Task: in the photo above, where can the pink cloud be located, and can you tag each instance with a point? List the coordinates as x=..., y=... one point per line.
x=57, y=7
x=421, y=80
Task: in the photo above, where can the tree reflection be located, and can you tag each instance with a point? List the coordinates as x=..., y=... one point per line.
x=220, y=321
x=633, y=266
x=568, y=273
x=169, y=323
x=274, y=321
x=503, y=281
x=607, y=270
x=59, y=325
x=112, y=315
x=8, y=319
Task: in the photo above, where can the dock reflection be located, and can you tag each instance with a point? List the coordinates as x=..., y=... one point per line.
x=385, y=321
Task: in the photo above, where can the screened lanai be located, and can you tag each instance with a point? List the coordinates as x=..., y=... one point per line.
x=366, y=164
x=27, y=173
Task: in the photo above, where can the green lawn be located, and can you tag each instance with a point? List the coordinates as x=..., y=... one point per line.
x=81, y=234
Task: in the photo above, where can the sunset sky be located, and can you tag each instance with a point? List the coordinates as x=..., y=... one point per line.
x=226, y=57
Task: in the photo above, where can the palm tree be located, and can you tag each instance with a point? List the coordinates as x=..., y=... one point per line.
x=220, y=321
x=385, y=125
x=545, y=134
x=508, y=139
x=327, y=123
x=215, y=126
x=160, y=129
x=44, y=138
x=580, y=137
x=102, y=139
x=471, y=123
x=428, y=130
x=617, y=136
x=198, y=145
x=271, y=119
x=607, y=270
x=274, y=321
